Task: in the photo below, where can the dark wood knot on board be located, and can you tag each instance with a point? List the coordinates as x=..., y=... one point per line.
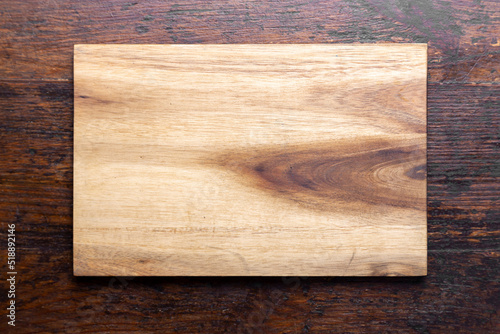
x=333, y=176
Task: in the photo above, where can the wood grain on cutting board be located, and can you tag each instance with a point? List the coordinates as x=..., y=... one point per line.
x=235, y=160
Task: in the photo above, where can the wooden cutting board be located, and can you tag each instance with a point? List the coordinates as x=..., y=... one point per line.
x=250, y=160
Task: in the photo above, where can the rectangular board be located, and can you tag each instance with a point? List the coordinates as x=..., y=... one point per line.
x=250, y=160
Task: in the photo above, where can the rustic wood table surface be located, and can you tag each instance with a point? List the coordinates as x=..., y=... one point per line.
x=461, y=292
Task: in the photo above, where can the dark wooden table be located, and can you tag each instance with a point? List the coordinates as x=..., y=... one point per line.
x=461, y=294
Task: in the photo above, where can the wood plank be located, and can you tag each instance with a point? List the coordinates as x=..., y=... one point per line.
x=258, y=160
x=462, y=35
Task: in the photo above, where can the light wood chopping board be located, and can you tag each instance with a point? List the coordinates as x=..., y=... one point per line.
x=250, y=160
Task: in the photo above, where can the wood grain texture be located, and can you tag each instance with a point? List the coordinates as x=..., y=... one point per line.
x=461, y=292
x=267, y=160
